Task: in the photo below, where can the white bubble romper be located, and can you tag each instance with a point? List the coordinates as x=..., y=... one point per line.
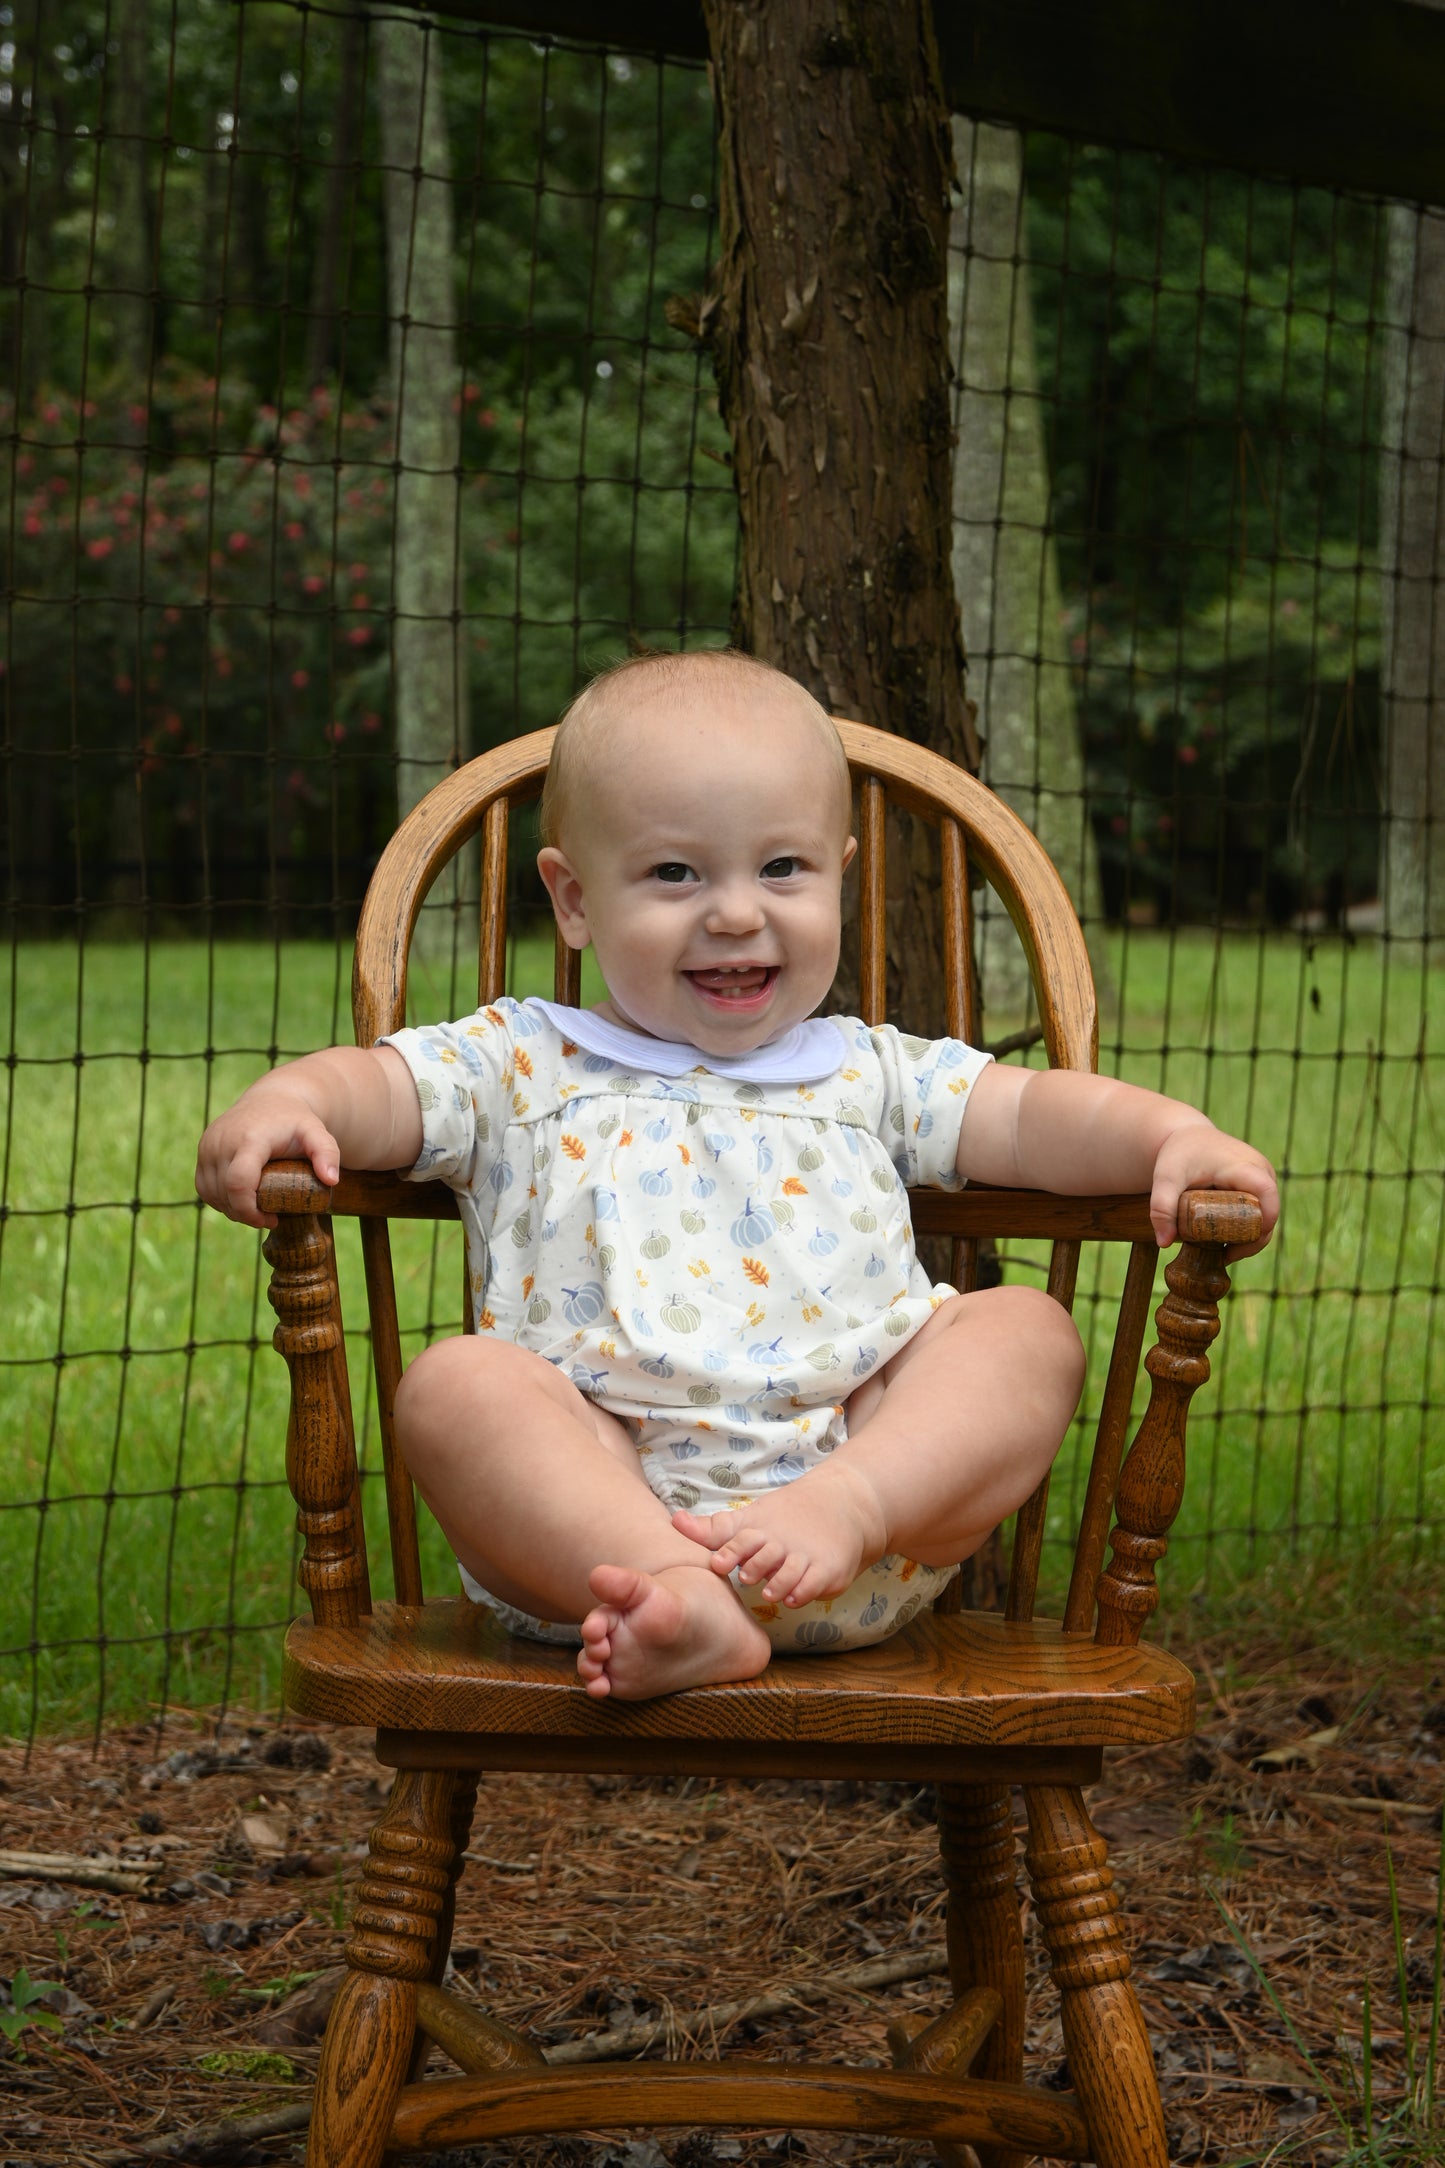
x=716, y=1252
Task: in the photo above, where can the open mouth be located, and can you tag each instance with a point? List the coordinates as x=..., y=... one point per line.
x=740, y=986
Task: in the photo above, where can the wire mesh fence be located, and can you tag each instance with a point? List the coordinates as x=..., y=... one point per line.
x=346, y=431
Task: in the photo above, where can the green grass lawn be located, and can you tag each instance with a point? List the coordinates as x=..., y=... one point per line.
x=145, y=1548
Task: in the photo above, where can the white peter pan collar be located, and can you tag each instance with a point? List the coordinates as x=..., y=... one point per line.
x=809, y=1052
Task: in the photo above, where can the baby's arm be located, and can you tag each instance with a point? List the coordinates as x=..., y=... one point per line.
x=1081, y=1135
x=351, y=1105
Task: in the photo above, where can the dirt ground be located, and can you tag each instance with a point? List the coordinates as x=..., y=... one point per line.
x=591, y=1903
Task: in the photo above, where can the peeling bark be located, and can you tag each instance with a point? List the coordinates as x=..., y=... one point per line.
x=429, y=652
x=1005, y=564
x=1412, y=605
x=830, y=336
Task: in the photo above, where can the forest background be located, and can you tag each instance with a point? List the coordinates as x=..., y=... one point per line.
x=360, y=406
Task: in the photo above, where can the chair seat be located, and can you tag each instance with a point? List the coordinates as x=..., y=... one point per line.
x=970, y=1689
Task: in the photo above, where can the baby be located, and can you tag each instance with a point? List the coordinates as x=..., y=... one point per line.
x=714, y=1409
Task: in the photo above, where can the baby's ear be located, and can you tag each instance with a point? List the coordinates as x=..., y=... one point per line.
x=563, y=884
x=850, y=852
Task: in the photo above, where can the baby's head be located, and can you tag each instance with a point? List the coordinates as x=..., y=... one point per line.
x=696, y=818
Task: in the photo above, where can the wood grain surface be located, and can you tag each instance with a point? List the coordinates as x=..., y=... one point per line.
x=971, y=1680
x=462, y=2111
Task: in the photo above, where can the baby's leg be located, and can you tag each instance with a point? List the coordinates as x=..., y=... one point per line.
x=949, y=1438
x=542, y=1498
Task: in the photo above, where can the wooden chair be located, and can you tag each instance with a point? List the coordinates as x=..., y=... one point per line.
x=974, y=1702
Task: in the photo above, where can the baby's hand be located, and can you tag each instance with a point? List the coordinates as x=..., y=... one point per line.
x=270, y=1121
x=1199, y=1156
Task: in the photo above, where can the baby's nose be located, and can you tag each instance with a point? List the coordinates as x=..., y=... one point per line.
x=735, y=907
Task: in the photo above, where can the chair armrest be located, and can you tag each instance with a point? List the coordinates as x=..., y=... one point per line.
x=320, y=1435
x=1151, y=1481
x=289, y=1186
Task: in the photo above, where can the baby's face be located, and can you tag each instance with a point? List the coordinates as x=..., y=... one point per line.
x=705, y=865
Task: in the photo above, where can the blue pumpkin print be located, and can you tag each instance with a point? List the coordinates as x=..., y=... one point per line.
x=817, y=1633
x=549, y=1230
x=765, y=1351
x=585, y=1304
x=874, y=1266
x=524, y=1024
x=822, y=1242
x=714, y=1360
x=873, y=1610
x=501, y=1177
x=754, y=1224
x=764, y=1155
x=686, y=1449
x=842, y=1187
x=785, y=1468
x=718, y=1141
x=643, y=1324
x=604, y=1204
x=735, y=1412
x=655, y=1182
x=703, y=1185
x=657, y=1128
x=656, y=1366
x=923, y=1127
x=595, y=1064
x=867, y=1356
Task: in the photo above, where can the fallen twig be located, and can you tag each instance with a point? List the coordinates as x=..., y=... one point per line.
x=641, y=2032
x=111, y=1874
x=230, y=2131
x=1363, y=1804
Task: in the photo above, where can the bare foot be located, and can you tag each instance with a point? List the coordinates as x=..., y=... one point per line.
x=811, y=1538
x=654, y=1633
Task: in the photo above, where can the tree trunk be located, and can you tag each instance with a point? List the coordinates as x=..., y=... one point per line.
x=338, y=195
x=124, y=187
x=1412, y=567
x=429, y=656
x=830, y=334
x=1005, y=565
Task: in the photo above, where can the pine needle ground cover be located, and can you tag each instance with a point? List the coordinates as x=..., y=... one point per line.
x=1255, y=1862
x=145, y=1549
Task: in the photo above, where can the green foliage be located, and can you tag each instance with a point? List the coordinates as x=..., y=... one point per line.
x=1407, y=2135
x=26, y=1995
x=1212, y=404
x=246, y=2063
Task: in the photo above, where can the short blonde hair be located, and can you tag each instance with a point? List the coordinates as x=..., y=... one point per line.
x=571, y=752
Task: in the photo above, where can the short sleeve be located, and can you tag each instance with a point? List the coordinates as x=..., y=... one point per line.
x=926, y=1088
x=465, y=1075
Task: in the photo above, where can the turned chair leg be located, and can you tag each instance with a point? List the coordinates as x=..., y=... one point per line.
x=463, y=1805
x=1107, y=2044
x=368, y=2047
x=984, y=1928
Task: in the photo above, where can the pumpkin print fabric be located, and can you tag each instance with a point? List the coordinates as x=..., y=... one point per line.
x=718, y=1262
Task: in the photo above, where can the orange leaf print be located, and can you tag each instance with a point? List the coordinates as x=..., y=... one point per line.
x=625, y=1138
x=686, y=1155
x=523, y=1060
x=486, y=1322
x=528, y=1284
x=495, y=1016
x=794, y=1188
x=757, y=1272
x=574, y=1147
x=910, y=1567
x=568, y=1048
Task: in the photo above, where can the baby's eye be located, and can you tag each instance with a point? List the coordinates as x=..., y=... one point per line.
x=780, y=869
x=672, y=870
